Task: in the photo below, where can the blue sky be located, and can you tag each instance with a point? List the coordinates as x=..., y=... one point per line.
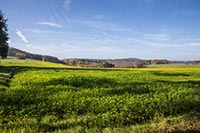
x=147, y=29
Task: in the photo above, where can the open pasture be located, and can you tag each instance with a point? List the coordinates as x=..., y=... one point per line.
x=42, y=99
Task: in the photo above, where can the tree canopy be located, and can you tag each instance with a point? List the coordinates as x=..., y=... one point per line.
x=3, y=36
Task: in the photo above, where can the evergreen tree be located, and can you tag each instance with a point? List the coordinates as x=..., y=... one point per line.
x=3, y=37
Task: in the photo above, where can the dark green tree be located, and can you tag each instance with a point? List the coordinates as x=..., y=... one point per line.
x=3, y=36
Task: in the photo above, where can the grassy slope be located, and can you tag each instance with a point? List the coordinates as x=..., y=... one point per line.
x=47, y=98
x=12, y=61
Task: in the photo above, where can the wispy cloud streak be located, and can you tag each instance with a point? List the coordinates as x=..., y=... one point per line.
x=21, y=35
x=156, y=36
x=52, y=24
x=163, y=45
x=159, y=37
x=103, y=42
x=101, y=25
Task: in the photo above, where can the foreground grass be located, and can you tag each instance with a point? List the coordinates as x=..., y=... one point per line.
x=42, y=99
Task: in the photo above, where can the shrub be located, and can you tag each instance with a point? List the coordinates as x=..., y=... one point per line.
x=21, y=56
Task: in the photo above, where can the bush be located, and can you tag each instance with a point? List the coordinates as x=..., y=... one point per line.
x=106, y=64
x=137, y=65
x=21, y=56
x=159, y=62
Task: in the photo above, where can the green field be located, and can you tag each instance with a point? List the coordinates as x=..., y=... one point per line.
x=175, y=65
x=45, y=97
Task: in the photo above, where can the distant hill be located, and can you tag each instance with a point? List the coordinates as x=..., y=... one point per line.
x=119, y=63
x=20, y=54
x=13, y=52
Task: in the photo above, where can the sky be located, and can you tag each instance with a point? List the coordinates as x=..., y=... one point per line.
x=105, y=29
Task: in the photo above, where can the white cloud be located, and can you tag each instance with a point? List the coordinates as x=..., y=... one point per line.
x=107, y=49
x=35, y=31
x=52, y=24
x=134, y=39
x=99, y=17
x=21, y=35
x=99, y=24
x=158, y=37
x=178, y=45
x=104, y=33
x=164, y=45
x=103, y=42
x=193, y=44
x=72, y=49
x=66, y=4
x=69, y=43
x=115, y=37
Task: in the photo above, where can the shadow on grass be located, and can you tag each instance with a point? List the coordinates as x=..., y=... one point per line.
x=7, y=72
x=131, y=88
x=5, y=78
x=187, y=84
x=18, y=99
x=169, y=74
x=90, y=82
x=25, y=68
x=85, y=82
x=187, y=131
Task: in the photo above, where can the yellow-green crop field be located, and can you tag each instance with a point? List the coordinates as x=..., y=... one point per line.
x=65, y=99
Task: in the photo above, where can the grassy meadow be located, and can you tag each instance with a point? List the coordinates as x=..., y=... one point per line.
x=46, y=97
x=174, y=65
